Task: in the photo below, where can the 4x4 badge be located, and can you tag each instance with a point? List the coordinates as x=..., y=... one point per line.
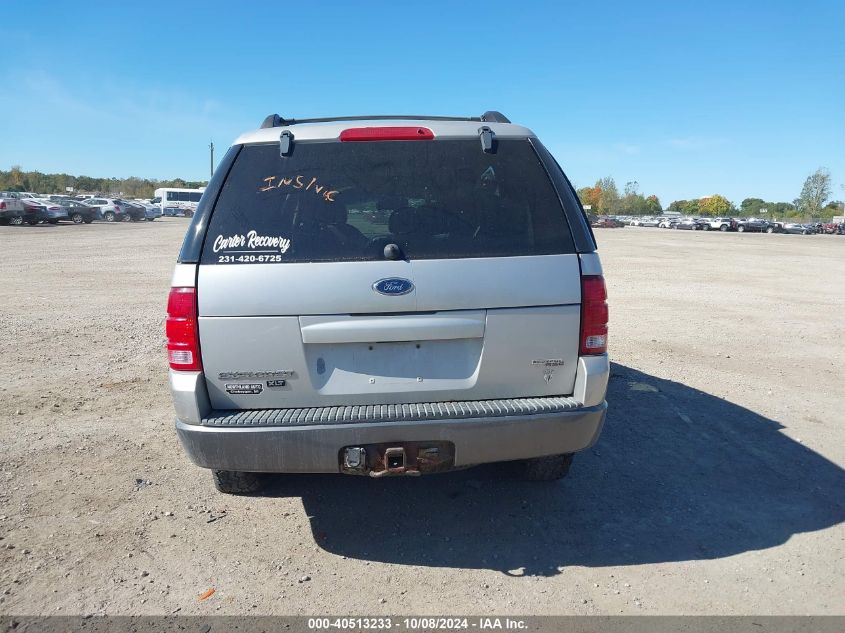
x=393, y=286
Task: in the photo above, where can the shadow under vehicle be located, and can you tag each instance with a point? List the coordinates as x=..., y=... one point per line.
x=678, y=475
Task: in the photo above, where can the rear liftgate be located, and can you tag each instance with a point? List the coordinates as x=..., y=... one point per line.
x=395, y=458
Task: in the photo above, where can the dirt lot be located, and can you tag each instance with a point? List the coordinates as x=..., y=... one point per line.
x=717, y=486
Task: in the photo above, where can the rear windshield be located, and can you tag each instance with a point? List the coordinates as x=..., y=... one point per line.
x=347, y=201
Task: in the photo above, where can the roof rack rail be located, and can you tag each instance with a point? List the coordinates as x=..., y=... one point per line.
x=274, y=120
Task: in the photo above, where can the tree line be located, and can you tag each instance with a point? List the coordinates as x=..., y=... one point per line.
x=18, y=180
x=604, y=198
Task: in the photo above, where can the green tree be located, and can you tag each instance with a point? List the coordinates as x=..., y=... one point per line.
x=18, y=180
x=609, y=197
x=652, y=205
x=815, y=192
x=691, y=207
x=752, y=206
x=715, y=205
x=678, y=206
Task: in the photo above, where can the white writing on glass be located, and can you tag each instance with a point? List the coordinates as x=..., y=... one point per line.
x=252, y=240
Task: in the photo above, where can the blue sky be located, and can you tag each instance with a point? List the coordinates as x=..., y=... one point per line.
x=687, y=98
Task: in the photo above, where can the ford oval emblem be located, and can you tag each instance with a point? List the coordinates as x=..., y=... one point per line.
x=393, y=286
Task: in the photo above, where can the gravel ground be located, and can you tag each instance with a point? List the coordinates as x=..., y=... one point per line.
x=717, y=486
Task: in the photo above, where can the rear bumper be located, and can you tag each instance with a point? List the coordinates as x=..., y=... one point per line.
x=316, y=448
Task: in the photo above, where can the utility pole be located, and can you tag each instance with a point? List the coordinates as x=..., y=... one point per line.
x=211, y=168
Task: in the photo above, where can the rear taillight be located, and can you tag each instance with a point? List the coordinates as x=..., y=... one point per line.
x=386, y=134
x=183, y=349
x=2, y=205
x=594, y=315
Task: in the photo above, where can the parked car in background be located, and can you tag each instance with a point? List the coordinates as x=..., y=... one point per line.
x=11, y=208
x=751, y=225
x=608, y=223
x=19, y=208
x=690, y=224
x=77, y=212
x=135, y=211
x=53, y=212
x=152, y=211
x=108, y=209
x=796, y=229
x=645, y=221
x=720, y=224
x=668, y=223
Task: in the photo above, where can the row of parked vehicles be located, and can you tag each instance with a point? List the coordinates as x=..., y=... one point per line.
x=27, y=208
x=723, y=224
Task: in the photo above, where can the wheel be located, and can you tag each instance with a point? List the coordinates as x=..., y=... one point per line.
x=803, y=232
x=550, y=468
x=694, y=227
x=32, y=222
x=17, y=220
x=126, y=218
x=109, y=216
x=189, y=214
x=88, y=220
x=233, y=482
x=770, y=230
x=150, y=219
x=52, y=221
x=77, y=218
x=706, y=227
x=723, y=228
x=740, y=229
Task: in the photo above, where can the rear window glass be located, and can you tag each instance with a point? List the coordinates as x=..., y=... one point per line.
x=347, y=201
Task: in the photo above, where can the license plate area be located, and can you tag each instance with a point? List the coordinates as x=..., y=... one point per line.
x=397, y=458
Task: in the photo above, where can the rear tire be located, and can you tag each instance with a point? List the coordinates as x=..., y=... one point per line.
x=109, y=216
x=233, y=482
x=770, y=230
x=723, y=228
x=740, y=229
x=16, y=221
x=32, y=222
x=77, y=218
x=88, y=220
x=549, y=468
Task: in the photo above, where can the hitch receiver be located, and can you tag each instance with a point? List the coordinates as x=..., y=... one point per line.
x=394, y=458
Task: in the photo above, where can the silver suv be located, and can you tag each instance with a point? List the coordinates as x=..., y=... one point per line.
x=387, y=295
